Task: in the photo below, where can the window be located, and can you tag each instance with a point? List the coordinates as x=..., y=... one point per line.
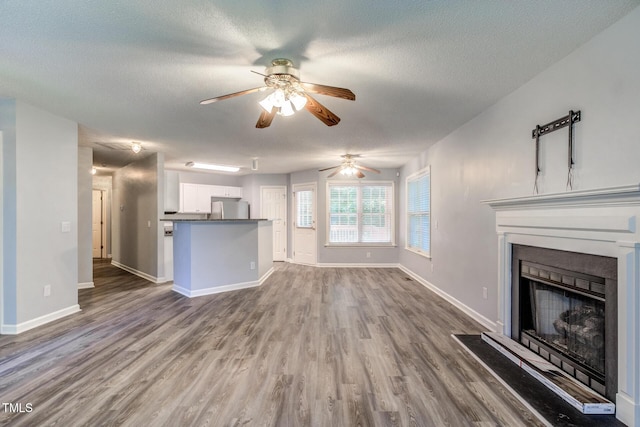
x=304, y=211
x=360, y=213
x=419, y=212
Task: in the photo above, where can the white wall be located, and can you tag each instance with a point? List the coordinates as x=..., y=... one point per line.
x=492, y=156
x=36, y=250
x=85, y=236
x=137, y=206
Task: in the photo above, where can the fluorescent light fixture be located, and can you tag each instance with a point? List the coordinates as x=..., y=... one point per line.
x=136, y=147
x=212, y=167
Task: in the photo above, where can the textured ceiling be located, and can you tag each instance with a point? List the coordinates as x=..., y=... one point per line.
x=136, y=70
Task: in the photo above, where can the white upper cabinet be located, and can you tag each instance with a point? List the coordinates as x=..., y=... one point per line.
x=196, y=198
x=226, y=191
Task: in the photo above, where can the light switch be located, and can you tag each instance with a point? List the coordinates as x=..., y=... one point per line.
x=65, y=227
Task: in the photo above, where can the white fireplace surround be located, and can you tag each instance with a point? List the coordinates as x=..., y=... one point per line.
x=599, y=222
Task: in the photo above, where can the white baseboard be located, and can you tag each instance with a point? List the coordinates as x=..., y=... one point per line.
x=137, y=272
x=359, y=265
x=627, y=411
x=38, y=321
x=490, y=325
x=86, y=285
x=219, y=289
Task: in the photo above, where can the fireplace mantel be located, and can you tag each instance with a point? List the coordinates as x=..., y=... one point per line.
x=599, y=222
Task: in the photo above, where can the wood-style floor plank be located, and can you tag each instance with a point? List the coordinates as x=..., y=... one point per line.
x=310, y=347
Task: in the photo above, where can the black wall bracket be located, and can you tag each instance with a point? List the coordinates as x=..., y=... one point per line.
x=568, y=120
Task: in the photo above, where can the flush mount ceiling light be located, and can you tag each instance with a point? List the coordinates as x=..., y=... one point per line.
x=289, y=94
x=94, y=171
x=212, y=167
x=136, y=147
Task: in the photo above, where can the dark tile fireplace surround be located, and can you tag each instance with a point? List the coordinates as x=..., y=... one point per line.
x=564, y=309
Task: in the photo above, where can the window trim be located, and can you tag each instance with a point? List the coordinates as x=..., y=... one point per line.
x=329, y=244
x=414, y=177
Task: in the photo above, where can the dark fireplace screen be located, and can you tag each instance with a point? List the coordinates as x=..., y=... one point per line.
x=572, y=323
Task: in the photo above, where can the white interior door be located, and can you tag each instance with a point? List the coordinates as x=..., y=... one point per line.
x=273, y=206
x=96, y=224
x=304, y=227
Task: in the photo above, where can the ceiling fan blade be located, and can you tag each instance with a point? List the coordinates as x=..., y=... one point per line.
x=359, y=174
x=265, y=119
x=365, y=168
x=338, y=92
x=321, y=112
x=231, y=95
x=334, y=173
x=326, y=169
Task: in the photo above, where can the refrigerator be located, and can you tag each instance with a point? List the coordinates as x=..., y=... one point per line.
x=229, y=209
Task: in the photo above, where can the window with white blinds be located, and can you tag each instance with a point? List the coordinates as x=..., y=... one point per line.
x=304, y=209
x=419, y=212
x=360, y=213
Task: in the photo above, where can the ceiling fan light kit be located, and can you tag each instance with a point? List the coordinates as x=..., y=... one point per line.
x=290, y=95
x=349, y=167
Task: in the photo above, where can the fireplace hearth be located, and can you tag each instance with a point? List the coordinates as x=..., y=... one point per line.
x=564, y=310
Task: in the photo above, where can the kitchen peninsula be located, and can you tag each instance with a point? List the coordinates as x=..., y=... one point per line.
x=219, y=255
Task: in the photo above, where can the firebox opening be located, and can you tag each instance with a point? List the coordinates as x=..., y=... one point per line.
x=568, y=316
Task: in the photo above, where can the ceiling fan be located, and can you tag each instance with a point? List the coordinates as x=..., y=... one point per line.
x=349, y=167
x=290, y=94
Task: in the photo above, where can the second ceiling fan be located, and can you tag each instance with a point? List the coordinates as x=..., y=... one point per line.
x=348, y=167
x=290, y=94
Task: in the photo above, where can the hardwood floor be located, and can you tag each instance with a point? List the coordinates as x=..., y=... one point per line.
x=311, y=346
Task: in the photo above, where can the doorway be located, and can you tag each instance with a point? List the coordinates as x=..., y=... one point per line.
x=98, y=224
x=273, y=206
x=304, y=226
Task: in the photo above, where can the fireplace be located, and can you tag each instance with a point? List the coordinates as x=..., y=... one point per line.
x=602, y=223
x=564, y=309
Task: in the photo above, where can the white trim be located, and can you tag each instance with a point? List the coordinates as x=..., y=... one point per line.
x=38, y=321
x=137, y=272
x=358, y=265
x=359, y=184
x=599, y=197
x=504, y=384
x=219, y=289
x=86, y=285
x=490, y=325
x=416, y=176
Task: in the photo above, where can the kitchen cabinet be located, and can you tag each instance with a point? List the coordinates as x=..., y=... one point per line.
x=196, y=198
x=226, y=191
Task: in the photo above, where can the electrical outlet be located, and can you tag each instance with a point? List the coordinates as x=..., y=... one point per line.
x=432, y=267
x=47, y=290
x=485, y=293
x=252, y=265
x=368, y=254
